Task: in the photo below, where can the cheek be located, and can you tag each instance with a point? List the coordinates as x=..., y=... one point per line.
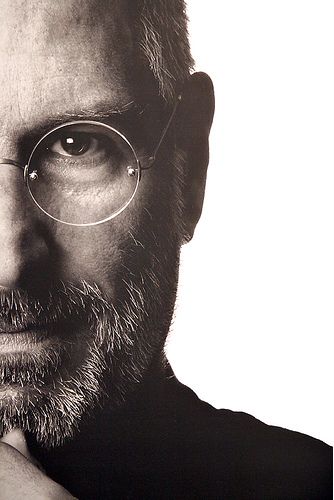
x=93, y=254
x=104, y=254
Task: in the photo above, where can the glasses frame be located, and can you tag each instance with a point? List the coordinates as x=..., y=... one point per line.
x=138, y=168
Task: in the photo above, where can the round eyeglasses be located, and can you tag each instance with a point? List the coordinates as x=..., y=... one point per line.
x=84, y=173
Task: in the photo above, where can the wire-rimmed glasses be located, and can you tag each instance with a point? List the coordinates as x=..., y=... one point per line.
x=84, y=173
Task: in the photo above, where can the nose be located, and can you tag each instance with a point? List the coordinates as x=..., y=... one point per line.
x=23, y=249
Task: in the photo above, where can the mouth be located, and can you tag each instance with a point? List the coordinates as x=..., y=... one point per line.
x=18, y=338
x=13, y=329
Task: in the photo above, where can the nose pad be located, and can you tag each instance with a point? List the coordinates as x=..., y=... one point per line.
x=23, y=246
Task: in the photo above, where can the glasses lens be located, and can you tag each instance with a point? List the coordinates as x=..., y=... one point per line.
x=83, y=173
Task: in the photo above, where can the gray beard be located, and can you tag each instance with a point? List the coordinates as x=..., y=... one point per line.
x=48, y=392
x=51, y=391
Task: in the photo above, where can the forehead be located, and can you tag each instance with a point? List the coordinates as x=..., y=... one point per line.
x=55, y=56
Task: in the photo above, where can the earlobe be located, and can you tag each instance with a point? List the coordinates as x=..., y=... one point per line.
x=193, y=127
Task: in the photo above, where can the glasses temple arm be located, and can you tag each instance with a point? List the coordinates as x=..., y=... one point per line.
x=7, y=161
x=152, y=158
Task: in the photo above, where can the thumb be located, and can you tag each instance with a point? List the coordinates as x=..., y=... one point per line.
x=16, y=439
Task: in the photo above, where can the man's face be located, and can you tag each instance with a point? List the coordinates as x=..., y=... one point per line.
x=77, y=303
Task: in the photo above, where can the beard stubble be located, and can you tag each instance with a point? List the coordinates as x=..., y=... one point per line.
x=49, y=392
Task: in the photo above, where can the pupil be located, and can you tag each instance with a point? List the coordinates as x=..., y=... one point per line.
x=75, y=144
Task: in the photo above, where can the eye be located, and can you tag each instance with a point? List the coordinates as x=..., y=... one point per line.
x=74, y=143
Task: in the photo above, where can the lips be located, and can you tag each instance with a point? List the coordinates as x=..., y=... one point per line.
x=30, y=337
x=6, y=328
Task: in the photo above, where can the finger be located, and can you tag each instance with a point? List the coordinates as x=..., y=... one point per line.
x=16, y=439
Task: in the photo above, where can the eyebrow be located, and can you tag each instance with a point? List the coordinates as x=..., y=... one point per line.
x=126, y=117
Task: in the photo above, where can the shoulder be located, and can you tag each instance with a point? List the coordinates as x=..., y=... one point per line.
x=249, y=459
x=276, y=462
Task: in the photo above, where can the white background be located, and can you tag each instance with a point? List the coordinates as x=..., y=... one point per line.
x=254, y=321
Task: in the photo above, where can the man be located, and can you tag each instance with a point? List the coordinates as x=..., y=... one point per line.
x=103, y=163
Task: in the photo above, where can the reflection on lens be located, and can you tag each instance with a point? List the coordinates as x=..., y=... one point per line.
x=83, y=173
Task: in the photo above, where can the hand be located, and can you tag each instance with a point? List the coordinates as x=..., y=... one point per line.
x=20, y=478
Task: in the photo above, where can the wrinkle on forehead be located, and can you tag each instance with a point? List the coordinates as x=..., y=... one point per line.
x=35, y=26
x=54, y=54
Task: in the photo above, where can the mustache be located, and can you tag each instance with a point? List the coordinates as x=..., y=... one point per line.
x=20, y=310
x=80, y=313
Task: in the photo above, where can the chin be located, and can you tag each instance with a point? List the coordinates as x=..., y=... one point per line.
x=49, y=385
x=49, y=379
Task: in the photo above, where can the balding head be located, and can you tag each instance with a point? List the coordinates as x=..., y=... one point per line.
x=159, y=30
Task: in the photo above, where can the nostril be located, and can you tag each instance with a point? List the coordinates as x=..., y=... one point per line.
x=24, y=258
x=23, y=248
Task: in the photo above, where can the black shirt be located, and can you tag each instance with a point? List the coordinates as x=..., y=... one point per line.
x=165, y=443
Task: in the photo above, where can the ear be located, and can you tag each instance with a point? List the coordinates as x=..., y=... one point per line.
x=194, y=119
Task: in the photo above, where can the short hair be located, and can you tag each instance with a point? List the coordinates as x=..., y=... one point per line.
x=164, y=43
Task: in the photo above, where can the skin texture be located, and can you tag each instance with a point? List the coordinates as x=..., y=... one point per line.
x=80, y=59
x=20, y=477
x=29, y=99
